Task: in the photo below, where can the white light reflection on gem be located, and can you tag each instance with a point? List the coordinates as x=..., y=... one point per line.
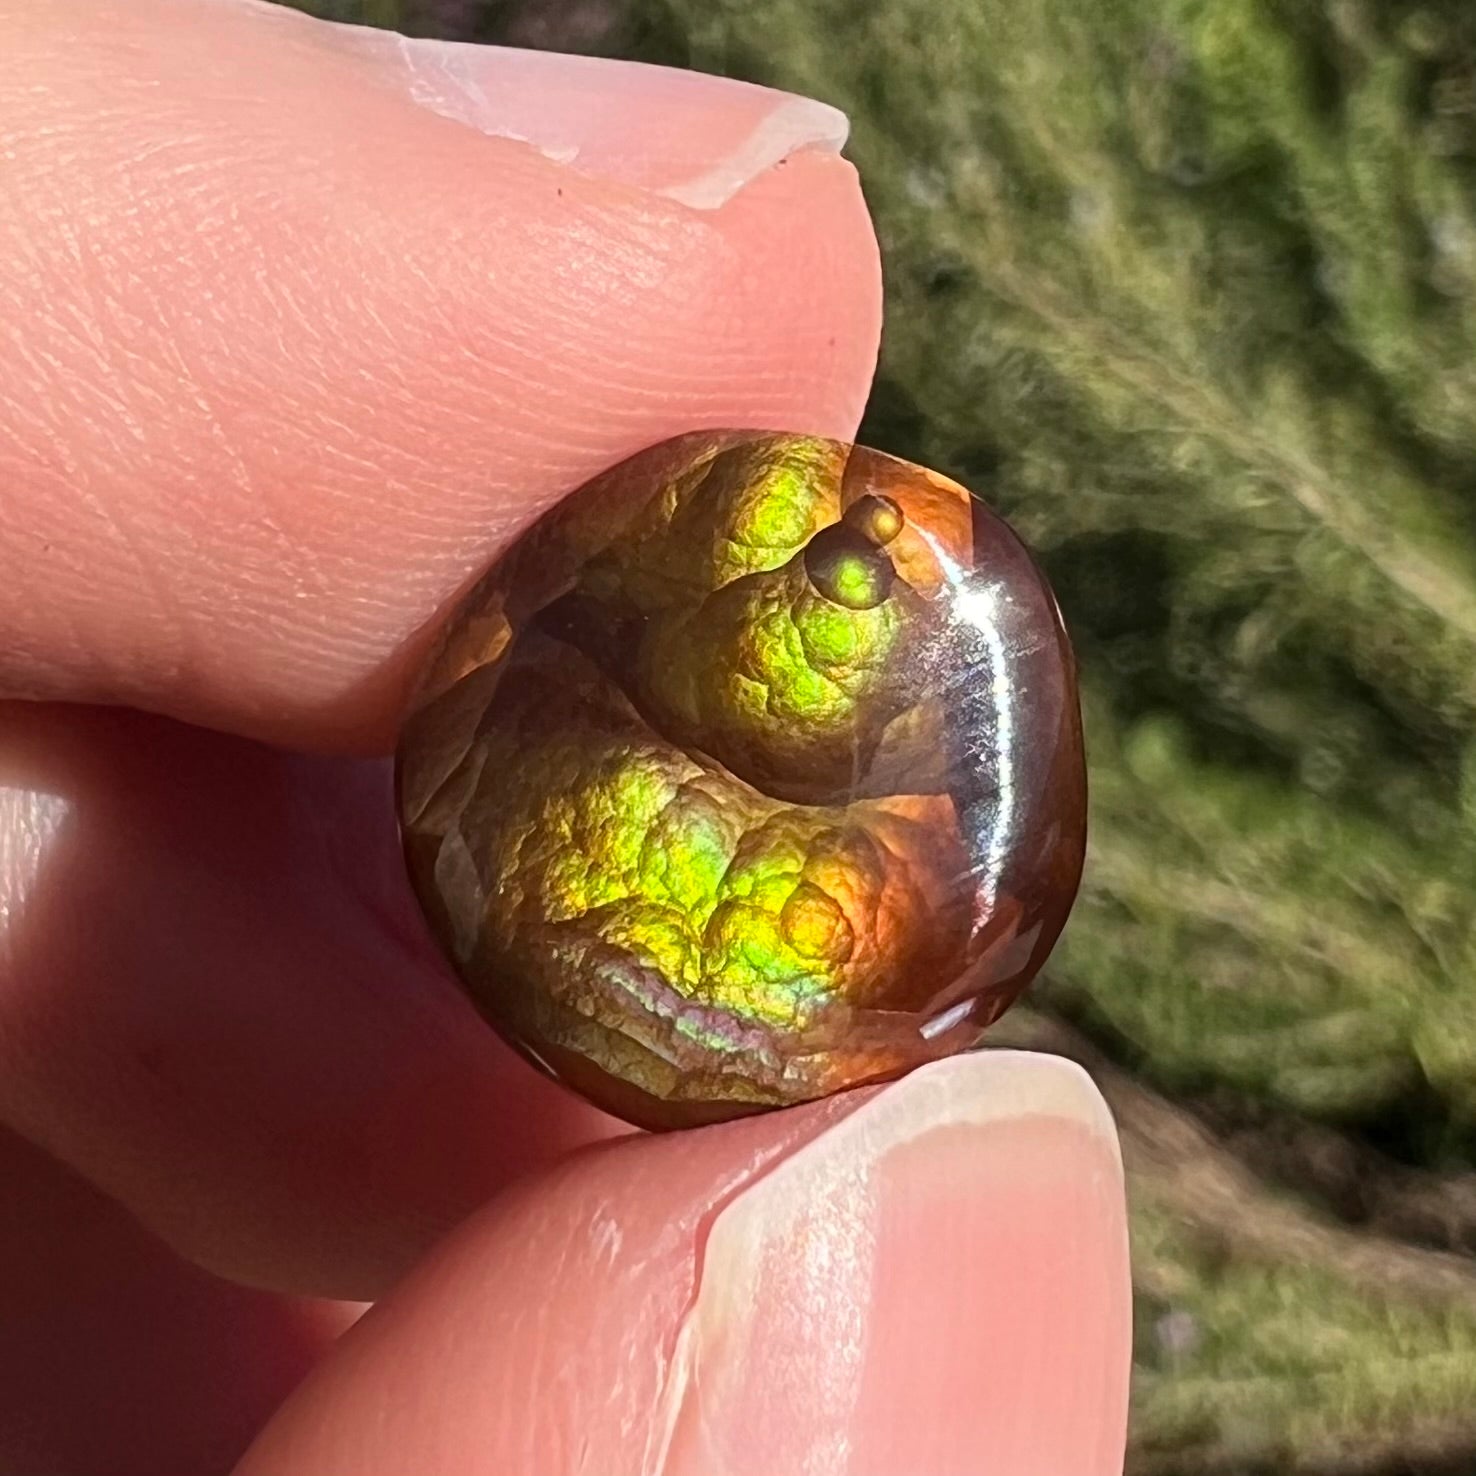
x=942, y=1024
x=975, y=608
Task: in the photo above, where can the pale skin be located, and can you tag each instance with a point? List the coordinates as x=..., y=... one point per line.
x=297, y=329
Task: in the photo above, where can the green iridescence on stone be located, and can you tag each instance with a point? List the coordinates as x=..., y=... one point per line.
x=689, y=824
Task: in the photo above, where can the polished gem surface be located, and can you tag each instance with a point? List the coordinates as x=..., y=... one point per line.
x=751, y=772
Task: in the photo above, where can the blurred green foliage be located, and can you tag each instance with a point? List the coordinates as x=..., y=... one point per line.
x=1188, y=289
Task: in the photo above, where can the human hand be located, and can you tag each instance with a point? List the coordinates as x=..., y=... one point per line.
x=302, y=325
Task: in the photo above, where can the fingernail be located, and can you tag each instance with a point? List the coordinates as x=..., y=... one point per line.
x=694, y=138
x=936, y=1284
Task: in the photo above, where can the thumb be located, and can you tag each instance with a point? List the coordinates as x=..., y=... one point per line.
x=930, y=1278
x=305, y=321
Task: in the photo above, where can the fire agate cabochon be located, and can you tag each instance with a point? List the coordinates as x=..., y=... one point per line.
x=753, y=771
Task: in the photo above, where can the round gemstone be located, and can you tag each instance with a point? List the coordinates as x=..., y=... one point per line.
x=753, y=771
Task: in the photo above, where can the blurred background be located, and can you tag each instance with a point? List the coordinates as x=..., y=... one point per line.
x=1188, y=290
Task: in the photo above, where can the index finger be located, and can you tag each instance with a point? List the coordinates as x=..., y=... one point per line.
x=299, y=333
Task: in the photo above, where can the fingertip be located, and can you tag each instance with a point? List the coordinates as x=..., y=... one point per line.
x=364, y=343
x=911, y=1279
x=692, y=137
x=940, y=1276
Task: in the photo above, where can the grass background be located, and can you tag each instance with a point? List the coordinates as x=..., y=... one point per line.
x=1188, y=289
